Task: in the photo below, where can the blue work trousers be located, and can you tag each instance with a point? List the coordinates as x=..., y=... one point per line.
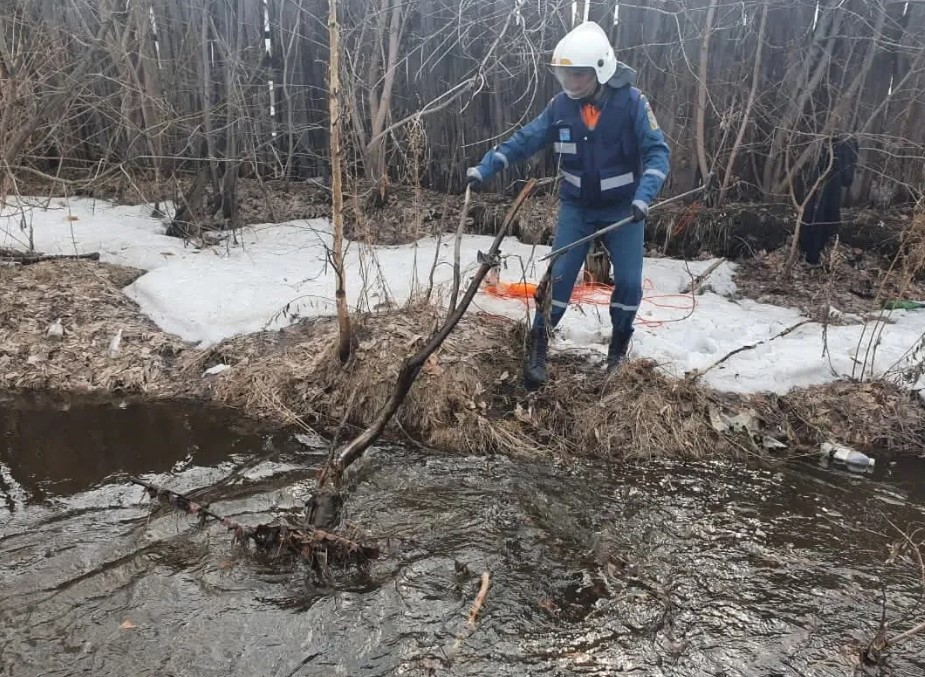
x=625, y=245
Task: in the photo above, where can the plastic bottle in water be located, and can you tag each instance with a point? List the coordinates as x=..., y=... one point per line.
x=851, y=458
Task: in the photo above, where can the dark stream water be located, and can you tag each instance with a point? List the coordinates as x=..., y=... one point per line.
x=655, y=569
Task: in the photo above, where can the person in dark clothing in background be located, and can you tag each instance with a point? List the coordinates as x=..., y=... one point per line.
x=822, y=216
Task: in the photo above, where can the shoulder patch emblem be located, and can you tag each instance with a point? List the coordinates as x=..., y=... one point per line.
x=653, y=123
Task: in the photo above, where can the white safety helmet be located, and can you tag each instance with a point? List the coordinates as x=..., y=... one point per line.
x=584, y=47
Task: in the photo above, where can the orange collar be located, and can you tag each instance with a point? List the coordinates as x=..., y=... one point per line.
x=590, y=115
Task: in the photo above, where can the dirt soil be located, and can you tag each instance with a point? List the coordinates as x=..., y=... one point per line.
x=85, y=300
x=850, y=286
x=468, y=397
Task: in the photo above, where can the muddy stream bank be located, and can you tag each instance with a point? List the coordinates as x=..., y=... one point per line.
x=661, y=568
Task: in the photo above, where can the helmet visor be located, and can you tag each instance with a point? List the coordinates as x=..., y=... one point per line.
x=577, y=81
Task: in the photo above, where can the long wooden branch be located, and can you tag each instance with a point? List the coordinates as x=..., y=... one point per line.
x=696, y=374
x=700, y=138
x=412, y=366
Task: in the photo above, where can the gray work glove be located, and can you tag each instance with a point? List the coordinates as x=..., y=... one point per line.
x=473, y=177
x=640, y=210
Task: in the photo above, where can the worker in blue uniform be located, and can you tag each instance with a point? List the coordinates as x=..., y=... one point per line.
x=613, y=161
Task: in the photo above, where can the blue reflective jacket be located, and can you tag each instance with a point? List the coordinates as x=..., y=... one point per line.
x=624, y=159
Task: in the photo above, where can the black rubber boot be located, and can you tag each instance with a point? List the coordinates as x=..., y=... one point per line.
x=535, y=362
x=619, y=345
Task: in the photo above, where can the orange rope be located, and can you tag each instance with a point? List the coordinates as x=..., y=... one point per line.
x=518, y=290
x=598, y=294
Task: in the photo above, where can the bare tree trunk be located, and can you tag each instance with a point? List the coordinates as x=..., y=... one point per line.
x=747, y=113
x=291, y=66
x=206, y=85
x=345, y=342
x=813, y=191
x=703, y=72
x=234, y=110
x=375, y=152
x=149, y=88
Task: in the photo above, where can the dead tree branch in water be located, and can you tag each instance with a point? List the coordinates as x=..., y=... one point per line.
x=477, y=605
x=331, y=474
x=316, y=546
x=479, y=600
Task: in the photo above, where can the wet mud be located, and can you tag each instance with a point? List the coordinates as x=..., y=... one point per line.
x=660, y=568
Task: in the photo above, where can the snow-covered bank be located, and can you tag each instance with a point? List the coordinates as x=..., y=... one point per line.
x=207, y=295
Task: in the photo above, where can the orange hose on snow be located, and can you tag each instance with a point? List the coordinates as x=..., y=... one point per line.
x=598, y=294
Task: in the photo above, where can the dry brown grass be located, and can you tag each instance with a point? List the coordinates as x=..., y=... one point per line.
x=297, y=367
x=469, y=398
x=638, y=413
x=88, y=300
x=872, y=417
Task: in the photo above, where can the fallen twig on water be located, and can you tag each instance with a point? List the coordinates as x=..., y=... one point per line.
x=479, y=600
x=473, y=614
x=433, y=663
x=317, y=546
x=903, y=636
